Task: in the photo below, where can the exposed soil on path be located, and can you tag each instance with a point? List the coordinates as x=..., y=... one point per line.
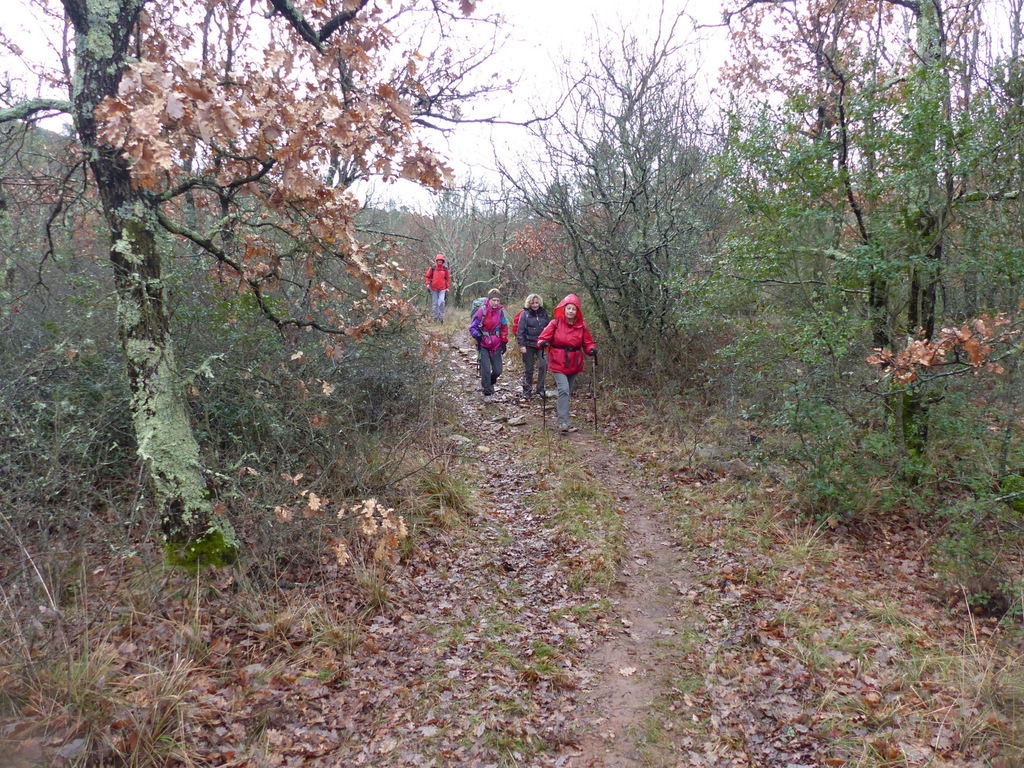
x=621, y=677
x=626, y=676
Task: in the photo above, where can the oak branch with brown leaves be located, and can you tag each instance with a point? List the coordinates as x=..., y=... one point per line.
x=238, y=134
x=967, y=349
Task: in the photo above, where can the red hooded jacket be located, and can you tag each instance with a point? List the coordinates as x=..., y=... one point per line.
x=567, y=343
x=437, y=278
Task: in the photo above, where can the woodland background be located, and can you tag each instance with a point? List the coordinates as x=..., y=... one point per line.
x=211, y=345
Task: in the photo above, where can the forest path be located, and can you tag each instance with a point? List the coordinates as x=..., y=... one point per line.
x=627, y=676
x=622, y=678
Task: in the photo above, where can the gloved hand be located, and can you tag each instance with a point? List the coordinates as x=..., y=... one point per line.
x=504, y=346
x=593, y=352
x=543, y=345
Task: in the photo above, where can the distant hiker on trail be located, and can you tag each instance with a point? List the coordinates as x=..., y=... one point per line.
x=438, y=282
x=490, y=329
x=532, y=320
x=567, y=337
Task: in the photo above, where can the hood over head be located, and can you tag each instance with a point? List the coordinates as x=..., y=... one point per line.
x=572, y=298
x=439, y=257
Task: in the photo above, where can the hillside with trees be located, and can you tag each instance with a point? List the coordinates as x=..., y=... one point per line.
x=255, y=511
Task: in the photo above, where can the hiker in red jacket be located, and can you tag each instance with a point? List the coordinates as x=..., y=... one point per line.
x=438, y=282
x=566, y=338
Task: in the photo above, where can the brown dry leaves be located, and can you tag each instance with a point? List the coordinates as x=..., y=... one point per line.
x=265, y=134
x=817, y=648
x=968, y=347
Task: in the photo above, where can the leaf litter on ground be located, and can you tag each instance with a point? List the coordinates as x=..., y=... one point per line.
x=785, y=647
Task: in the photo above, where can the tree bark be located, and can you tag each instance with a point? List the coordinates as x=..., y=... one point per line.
x=166, y=445
x=932, y=220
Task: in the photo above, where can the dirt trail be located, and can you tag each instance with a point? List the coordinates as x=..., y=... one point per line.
x=622, y=676
x=626, y=675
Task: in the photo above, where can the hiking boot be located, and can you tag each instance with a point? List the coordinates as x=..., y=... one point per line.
x=488, y=399
x=563, y=427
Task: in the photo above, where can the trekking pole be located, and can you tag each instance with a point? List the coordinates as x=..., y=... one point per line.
x=544, y=400
x=595, y=391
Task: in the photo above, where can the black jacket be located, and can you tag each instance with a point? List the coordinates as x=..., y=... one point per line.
x=530, y=325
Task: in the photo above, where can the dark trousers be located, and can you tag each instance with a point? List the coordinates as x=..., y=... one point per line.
x=534, y=354
x=490, y=369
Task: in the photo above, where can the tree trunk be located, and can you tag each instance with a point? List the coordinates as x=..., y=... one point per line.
x=931, y=221
x=166, y=445
x=878, y=312
x=6, y=247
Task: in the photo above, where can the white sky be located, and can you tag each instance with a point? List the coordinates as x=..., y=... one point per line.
x=543, y=34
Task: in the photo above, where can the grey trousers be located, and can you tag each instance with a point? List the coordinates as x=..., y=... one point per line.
x=437, y=304
x=565, y=383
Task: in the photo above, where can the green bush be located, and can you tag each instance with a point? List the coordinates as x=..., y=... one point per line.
x=67, y=445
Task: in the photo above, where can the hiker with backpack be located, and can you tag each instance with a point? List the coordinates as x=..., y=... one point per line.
x=438, y=281
x=489, y=327
x=527, y=329
x=567, y=339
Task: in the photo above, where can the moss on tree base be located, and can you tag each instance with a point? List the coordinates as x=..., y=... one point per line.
x=212, y=549
x=1011, y=485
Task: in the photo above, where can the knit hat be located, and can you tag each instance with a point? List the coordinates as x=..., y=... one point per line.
x=494, y=293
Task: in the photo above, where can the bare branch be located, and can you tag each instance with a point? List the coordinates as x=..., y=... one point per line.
x=305, y=29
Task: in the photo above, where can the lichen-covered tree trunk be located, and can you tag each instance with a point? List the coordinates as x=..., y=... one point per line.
x=7, y=255
x=930, y=121
x=103, y=29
